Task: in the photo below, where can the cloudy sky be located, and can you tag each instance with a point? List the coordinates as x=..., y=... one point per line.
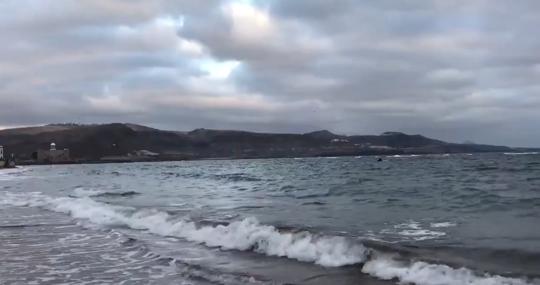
x=451, y=69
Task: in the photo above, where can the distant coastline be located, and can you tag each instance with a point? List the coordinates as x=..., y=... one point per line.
x=109, y=143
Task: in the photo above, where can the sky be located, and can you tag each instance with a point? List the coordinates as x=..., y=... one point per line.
x=457, y=70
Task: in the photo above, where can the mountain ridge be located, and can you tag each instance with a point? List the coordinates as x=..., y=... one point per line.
x=125, y=141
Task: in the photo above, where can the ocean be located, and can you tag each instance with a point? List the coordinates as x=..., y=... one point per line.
x=417, y=219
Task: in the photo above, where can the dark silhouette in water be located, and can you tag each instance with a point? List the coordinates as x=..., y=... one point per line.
x=379, y=159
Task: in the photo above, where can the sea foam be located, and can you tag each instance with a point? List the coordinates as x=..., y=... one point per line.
x=521, y=153
x=246, y=234
x=422, y=273
x=250, y=235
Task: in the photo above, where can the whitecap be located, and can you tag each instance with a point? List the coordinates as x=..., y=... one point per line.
x=413, y=230
x=442, y=225
x=250, y=235
x=422, y=234
x=422, y=273
x=520, y=153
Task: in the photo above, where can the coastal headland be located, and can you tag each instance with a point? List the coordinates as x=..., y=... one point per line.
x=121, y=142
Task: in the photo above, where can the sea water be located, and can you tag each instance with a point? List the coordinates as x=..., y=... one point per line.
x=423, y=219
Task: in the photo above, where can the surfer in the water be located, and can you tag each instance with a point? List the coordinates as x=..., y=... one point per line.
x=379, y=159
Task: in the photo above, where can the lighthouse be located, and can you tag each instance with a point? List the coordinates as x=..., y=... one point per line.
x=53, y=155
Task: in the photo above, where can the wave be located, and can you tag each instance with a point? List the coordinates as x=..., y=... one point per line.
x=314, y=195
x=12, y=173
x=413, y=230
x=190, y=272
x=20, y=226
x=317, y=203
x=443, y=225
x=422, y=273
x=533, y=178
x=521, y=153
x=82, y=192
x=485, y=168
x=236, y=177
x=244, y=235
x=403, y=156
x=250, y=235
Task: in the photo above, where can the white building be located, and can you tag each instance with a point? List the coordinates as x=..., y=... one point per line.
x=53, y=155
x=1, y=152
x=339, y=141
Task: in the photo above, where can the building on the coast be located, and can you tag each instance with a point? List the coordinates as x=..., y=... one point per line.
x=53, y=155
x=6, y=161
x=144, y=152
x=339, y=141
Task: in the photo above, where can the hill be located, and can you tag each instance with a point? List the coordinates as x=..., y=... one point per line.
x=130, y=142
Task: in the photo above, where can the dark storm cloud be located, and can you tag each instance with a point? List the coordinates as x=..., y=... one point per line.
x=457, y=70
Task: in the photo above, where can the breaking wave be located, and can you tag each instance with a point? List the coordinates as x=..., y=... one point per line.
x=250, y=235
x=244, y=235
x=423, y=273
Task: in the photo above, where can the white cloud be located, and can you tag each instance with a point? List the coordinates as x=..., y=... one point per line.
x=218, y=69
x=250, y=25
